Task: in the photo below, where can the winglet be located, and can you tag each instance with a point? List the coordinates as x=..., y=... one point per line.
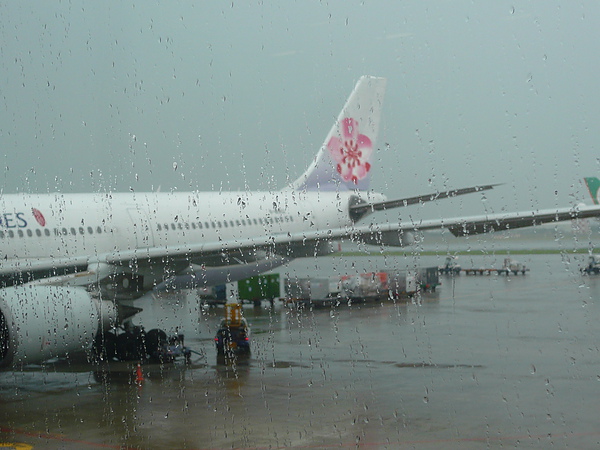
x=343, y=162
x=593, y=185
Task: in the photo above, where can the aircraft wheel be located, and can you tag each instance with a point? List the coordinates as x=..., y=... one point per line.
x=130, y=345
x=155, y=339
x=105, y=346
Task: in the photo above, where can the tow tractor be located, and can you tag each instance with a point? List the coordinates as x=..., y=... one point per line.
x=233, y=333
x=169, y=349
x=135, y=344
x=593, y=266
x=451, y=266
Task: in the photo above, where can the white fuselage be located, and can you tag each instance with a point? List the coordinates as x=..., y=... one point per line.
x=70, y=225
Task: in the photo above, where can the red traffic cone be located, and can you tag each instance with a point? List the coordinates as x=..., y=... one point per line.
x=139, y=376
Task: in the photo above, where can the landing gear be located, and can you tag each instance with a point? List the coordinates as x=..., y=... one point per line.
x=105, y=346
x=131, y=345
x=155, y=340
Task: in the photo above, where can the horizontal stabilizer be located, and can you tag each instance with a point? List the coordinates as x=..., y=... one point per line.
x=361, y=209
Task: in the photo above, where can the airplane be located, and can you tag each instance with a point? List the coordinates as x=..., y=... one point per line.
x=593, y=185
x=70, y=264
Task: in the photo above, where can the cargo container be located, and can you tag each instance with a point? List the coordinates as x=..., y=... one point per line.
x=253, y=289
x=402, y=284
x=364, y=286
x=315, y=291
x=260, y=287
x=428, y=278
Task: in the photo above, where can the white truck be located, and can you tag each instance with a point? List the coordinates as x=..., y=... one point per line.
x=513, y=266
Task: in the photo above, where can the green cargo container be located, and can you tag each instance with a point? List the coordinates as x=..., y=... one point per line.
x=260, y=287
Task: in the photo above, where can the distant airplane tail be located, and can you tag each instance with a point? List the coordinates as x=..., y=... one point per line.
x=344, y=160
x=593, y=185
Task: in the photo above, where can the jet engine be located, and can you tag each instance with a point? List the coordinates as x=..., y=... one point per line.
x=41, y=322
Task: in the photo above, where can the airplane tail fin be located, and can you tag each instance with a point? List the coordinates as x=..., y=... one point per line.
x=343, y=162
x=593, y=185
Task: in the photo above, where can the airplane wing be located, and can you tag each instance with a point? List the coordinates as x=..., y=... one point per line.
x=286, y=244
x=465, y=226
x=460, y=226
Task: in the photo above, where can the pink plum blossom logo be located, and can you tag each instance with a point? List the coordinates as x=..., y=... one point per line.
x=352, y=152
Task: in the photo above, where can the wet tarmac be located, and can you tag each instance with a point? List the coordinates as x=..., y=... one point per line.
x=485, y=361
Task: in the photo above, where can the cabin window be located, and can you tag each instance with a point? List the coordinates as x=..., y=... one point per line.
x=29, y=233
x=81, y=230
x=90, y=230
x=1, y=234
x=38, y=232
x=158, y=227
x=11, y=234
x=173, y=227
x=225, y=224
x=73, y=232
x=64, y=232
x=99, y=230
x=193, y=225
x=20, y=233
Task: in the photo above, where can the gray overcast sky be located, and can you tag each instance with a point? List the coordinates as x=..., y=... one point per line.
x=114, y=95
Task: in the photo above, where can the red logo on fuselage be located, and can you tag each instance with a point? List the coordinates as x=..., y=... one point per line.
x=39, y=217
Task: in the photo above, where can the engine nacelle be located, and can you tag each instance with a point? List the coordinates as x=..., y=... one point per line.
x=42, y=322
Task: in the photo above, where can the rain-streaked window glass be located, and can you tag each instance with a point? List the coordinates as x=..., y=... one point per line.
x=398, y=205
